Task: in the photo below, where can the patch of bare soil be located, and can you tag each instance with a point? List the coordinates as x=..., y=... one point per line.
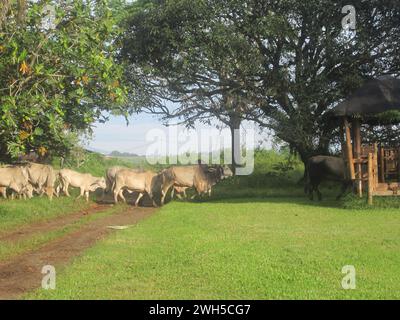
x=23, y=273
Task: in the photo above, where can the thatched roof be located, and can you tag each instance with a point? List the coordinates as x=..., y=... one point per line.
x=375, y=97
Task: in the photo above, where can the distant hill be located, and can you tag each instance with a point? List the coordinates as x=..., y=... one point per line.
x=123, y=154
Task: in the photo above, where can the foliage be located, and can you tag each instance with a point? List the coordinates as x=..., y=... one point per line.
x=287, y=62
x=57, y=77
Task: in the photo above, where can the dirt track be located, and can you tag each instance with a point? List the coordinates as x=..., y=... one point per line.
x=30, y=230
x=23, y=273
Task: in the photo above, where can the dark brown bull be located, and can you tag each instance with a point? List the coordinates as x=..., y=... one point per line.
x=326, y=168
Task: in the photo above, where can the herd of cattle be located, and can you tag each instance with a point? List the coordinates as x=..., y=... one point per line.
x=26, y=179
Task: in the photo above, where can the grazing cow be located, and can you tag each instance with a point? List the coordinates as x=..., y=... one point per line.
x=215, y=174
x=84, y=181
x=134, y=181
x=322, y=168
x=110, y=177
x=201, y=177
x=16, y=179
x=42, y=177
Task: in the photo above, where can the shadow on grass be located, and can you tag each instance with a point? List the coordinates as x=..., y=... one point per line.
x=349, y=202
x=292, y=200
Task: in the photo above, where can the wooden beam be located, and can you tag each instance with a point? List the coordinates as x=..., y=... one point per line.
x=370, y=178
x=343, y=143
x=382, y=172
x=398, y=164
x=376, y=167
x=349, y=150
x=357, y=155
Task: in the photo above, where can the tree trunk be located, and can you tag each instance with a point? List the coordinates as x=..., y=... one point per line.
x=234, y=126
x=21, y=14
x=4, y=9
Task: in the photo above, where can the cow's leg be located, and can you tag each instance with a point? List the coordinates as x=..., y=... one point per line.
x=121, y=195
x=56, y=191
x=106, y=190
x=155, y=205
x=184, y=194
x=345, y=186
x=66, y=185
x=116, y=192
x=194, y=196
x=87, y=196
x=172, y=193
x=4, y=192
x=82, y=193
x=49, y=192
x=138, y=199
x=42, y=190
x=311, y=192
x=163, y=193
x=319, y=194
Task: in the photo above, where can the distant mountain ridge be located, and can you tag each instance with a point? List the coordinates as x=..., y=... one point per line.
x=123, y=154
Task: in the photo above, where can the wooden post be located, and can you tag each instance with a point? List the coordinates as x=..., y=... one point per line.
x=343, y=143
x=370, y=178
x=376, y=169
x=349, y=150
x=398, y=164
x=357, y=154
x=382, y=173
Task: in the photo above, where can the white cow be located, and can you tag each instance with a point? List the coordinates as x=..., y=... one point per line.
x=133, y=181
x=16, y=179
x=42, y=177
x=85, y=181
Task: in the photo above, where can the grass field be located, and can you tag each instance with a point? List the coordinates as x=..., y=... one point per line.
x=257, y=237
x=242, y=249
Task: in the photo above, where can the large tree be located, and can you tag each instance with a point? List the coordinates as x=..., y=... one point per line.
x=182, y=52
x=57, y=73
x=310, y=62
x=287, y=61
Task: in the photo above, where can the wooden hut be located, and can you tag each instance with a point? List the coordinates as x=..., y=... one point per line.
x=374, y=167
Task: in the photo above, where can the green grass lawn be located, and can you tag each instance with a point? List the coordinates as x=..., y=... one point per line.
x=276, y=248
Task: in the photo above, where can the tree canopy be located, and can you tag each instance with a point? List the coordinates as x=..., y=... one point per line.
x=57, y=73
x=288, y=62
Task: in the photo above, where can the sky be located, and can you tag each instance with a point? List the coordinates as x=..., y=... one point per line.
x=145, y=134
